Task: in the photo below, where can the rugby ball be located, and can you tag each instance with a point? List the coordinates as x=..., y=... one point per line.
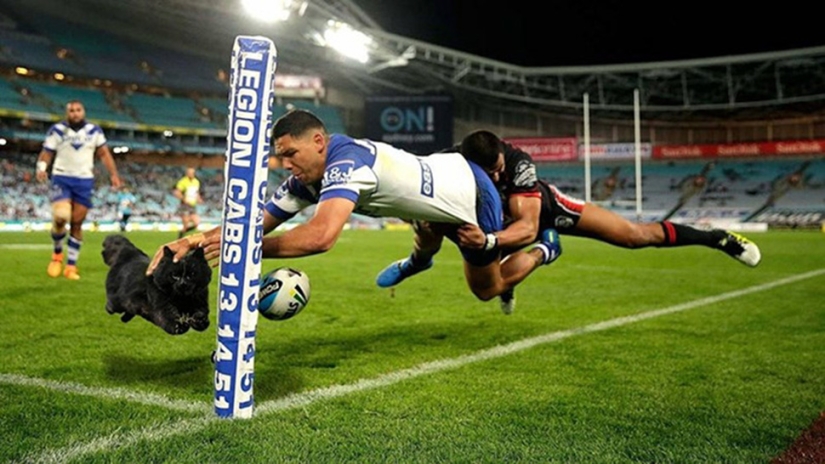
x=284, y=292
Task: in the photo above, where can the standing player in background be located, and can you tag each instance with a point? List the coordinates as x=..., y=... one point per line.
x=125, y=201
x=534, y=210
x=72, y=145
x=188, y=191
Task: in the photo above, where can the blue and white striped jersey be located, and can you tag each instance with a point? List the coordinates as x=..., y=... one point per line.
x=384, y=181
x=74, y=150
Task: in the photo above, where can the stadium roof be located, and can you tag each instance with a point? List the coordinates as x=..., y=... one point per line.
x=777, y=84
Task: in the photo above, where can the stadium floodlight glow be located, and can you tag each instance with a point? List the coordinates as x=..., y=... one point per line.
x=347, y=41
x=3, y=141
x=270, y=11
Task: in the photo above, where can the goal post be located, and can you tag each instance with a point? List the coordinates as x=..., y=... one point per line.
x=245, y=181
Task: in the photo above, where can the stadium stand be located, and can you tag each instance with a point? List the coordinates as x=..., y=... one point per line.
x=16, y=97
x=721, y=189
x=168, y=111
x=94, y=100
x=733, y=189
x=56, y=45
x=192, y=95
x=154, y=99
x=24, y=199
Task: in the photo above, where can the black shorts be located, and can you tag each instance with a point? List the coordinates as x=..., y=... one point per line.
x=186, y=208
x=558, y=211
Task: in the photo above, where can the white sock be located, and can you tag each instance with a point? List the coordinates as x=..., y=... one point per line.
x=547, y=255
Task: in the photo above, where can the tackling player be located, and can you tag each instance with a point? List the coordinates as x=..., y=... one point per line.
x=534, y=209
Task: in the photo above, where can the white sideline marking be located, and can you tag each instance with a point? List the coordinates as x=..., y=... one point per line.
x=306, y=398
x=160, y=432
x=107, y=393
x=121, y=440
x=25, y=246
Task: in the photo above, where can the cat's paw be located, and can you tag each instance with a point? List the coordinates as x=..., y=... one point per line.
x=177, y=328
x=112, y=309
x=179, y=325
x=199, y=323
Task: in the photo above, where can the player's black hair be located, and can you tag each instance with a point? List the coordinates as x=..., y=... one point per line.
x=482, y=147
x=295, y=123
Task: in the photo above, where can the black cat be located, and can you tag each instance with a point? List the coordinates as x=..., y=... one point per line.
x=175, y=297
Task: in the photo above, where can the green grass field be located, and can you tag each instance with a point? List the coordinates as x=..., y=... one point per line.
x=584, y=371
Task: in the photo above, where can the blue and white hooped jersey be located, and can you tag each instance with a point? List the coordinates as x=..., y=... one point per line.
x=74, y=150
x=384, y=181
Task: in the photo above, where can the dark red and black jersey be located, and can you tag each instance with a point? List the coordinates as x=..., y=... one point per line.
x=520, y=177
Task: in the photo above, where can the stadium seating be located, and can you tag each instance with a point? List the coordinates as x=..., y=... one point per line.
x=168, y=111
x=328, y=114
x=33, y=40
x=12, y=99
x=93, y=100
x=734, y=188
x=50, y=45
x=35, y=51
x=739, y=187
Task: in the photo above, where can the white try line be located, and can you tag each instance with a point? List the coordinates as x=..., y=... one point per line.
x=106, y=393
x=26, y=246
x=162, y=431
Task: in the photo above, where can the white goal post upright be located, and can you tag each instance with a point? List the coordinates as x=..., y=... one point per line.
x=587, y=181
x=638, y=154
x=245, y=179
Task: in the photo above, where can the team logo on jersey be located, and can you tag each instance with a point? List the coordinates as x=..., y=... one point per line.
x=338, y=173
x=426, y=179
x=564, y=222
x=282, y=191
x=525, y=174
x=78, y=140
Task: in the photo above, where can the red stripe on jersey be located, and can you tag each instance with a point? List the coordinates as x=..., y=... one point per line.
x=671, y=232
x=568, y=203
x=526, y=194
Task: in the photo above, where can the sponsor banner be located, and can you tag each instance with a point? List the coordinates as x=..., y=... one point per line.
x=420, y=124
x=698, y=214
x=299, y=86
x=617, y=150
x=788, y=147
x=733, y=226
x=548, y=149
x=792, y=217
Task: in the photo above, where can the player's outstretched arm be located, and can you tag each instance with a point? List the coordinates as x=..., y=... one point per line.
x=210, y=241
x=525, y=212
x=317, y=235
x=522, y=231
